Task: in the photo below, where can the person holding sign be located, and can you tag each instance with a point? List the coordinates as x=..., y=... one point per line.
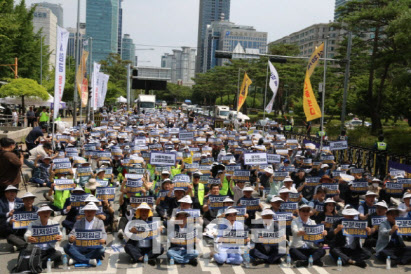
x=199, y=190
x=390, y=243
x=329, y=213
x=253, y=205
x=78, y=249
x=405, y=206
x=179, y=246
x=59, y=197
x=210, y=213
x=16, y=239
x=72, y=208
x=348, y=247
x=8, y=204
x=262, y=252
x=137, y=247
x=44, y=233
x=367, y=207
x=301, y=250
x=161, y=202
x=91, y=186
x=374, y=221
x=227, y=253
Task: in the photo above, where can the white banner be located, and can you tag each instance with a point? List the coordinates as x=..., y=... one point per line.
x=274, y=83
x=340, y=145
x=103, y=82
x=255, y=158
x=95, y=86
x=60, y=70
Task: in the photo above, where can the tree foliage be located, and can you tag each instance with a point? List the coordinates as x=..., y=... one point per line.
x=117, y=70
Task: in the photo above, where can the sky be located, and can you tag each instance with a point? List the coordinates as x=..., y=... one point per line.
x=170, y=24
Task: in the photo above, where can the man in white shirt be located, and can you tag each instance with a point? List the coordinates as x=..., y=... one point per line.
x=84, y=254
x=48, y=250
x=301, y=250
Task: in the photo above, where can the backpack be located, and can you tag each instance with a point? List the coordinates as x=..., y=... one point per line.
x=29, y=260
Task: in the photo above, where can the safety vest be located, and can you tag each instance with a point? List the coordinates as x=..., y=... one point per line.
x=382, y=146
x=224, y=187
x=175, y=170
x=200, y=193
x=321, y=133
x=60, y=198
x=44, y=117
x=288, y=127
x=151, y=168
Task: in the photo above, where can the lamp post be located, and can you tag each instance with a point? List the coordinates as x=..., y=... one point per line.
x=77, y=63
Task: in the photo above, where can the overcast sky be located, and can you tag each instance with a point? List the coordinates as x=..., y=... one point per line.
x=168, y=24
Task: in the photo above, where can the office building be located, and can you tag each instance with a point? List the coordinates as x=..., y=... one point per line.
x=120, y=25
x=225, y=36
x=128, y=50
x=309, y=38
x=210, y=11
x=45, y=21
x=57, y=10
x=71, y=45
x=182, y=65
x=338, y=3
x=102, y=26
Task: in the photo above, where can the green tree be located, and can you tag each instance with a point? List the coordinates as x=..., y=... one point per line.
x=23, y=88
x=117, y=69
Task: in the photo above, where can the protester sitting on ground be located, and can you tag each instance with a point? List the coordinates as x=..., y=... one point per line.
x=48, y=250
x=8, y=204
x=41, y=175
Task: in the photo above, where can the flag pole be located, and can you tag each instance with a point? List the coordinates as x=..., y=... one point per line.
x=323, y=92
x=265, y=93
x=238, y=90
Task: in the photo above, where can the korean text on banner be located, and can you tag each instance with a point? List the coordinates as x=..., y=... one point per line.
x=60, y=74
x=244, y=91
x=274, y=82
x=95, y=86
x=311, y=109
x=81, y=80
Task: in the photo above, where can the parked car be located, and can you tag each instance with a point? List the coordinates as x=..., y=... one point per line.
x=356, y=123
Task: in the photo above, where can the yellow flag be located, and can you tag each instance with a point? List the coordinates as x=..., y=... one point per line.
x=244, y=91
x=82, y=83
x=311, y=109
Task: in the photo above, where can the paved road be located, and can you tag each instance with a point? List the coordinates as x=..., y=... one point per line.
x=119, y=262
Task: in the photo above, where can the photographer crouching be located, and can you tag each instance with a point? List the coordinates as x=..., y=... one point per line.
x=11, y=160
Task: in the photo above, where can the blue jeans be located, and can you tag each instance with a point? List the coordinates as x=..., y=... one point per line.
x=83, y=255
x=229, y=258
x=29, y=163
x=180, y=255
x=40, y=182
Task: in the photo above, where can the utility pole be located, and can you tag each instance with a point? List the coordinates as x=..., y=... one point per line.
x=346, y=80
x=77, y=64
x=15, y=69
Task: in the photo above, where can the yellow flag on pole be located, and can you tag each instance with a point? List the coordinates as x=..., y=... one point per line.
x=311, y=109
x=244, y=91
x=82, y=83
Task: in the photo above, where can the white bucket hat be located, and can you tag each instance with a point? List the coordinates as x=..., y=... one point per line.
x=28, y=195
x=267, y=211
x=186, y=199
x=276, y=199
x=91, y=206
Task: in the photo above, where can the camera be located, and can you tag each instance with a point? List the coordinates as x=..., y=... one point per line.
x=19, y=150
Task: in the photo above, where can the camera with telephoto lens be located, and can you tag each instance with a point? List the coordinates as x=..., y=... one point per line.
x=19, y=150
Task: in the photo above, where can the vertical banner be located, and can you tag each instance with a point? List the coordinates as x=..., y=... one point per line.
x=103, y=82
x=244, y=91
x=274, y=83
x=81, y=80
x=60, y=70
x=311, y=109
x=95, y=86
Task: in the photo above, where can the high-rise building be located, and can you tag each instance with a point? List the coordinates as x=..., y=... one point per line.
x=57, y=9
x=120, y=25
x=309, y=38
x=102, y=26
x=210, y=11
x=182, y=64
x=338, y=3
x=45, y=21
x=128, y=50
x=71, y=45
x=225, y=36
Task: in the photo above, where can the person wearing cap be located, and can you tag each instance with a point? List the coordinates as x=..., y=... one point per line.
x=8, y=204
x=91, y=186
x=48, y=250
x=367, y=207
x=172, y=201
x=100, y=175
x=86, y=255
x=348, y=248
x=300, y=250
x=391, y=244
x=165, y=174
x=275, y=203
x=380, y=212
x=210, y=214
x=247, y=196
x=330, y=210
x=178, y=251
x=70, y=211
x=16, y=239
x=237, y=188
x=266, y=253
x=229, y=254
x=199, y=191
x=161, y=203
x=136, y=249
x=57, y=197
x=266, y=179
x=41, y=175
x=184, y=203
x=405, y=206
x=324, y=170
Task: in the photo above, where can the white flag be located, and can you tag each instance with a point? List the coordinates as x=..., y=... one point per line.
x=95, y=86
x=103, y=82
x=60, y=70
x=274, y=83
